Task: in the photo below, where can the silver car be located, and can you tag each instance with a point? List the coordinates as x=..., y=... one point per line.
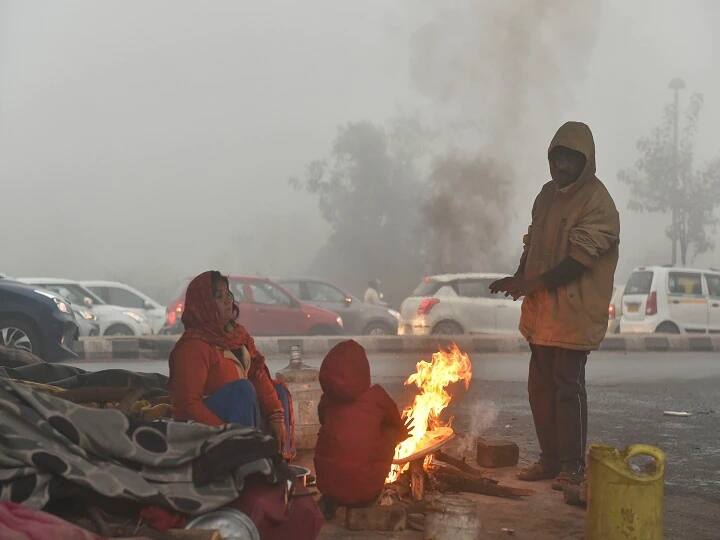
x=358, y=317
x=113, y=320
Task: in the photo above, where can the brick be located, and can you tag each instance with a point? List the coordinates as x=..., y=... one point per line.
x=376, y=518
x=497, y=453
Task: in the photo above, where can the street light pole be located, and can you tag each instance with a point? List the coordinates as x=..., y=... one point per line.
x=676, y=85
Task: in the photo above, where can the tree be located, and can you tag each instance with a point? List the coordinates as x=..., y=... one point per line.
x=368, y=192
x=664, y=180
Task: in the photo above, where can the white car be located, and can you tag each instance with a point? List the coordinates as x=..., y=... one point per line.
x=452, y=304
x=120, y=294
x=113, y=320
x=672, y=300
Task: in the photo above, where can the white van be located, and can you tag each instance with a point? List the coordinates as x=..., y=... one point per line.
x=671, y=299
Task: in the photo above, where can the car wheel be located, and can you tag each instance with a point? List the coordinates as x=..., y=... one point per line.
x=447, y=328
x=667, y=328
x=378, y=329
x=18, y=334
x=119, y=330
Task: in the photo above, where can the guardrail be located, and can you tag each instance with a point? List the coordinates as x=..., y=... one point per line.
x=159, y=347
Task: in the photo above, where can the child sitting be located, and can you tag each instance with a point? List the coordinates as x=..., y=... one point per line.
x=359, y=428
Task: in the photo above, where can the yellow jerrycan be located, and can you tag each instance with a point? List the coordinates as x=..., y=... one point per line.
x=625, y=500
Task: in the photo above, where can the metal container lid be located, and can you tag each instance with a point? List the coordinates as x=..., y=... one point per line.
x=232, y=524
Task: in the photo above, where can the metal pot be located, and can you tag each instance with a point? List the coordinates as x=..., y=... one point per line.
x=301, y=474
x=232, y=524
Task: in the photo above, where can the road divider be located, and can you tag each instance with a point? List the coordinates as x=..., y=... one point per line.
x=159, y=347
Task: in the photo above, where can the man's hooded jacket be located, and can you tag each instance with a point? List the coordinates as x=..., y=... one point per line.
x=579, y=221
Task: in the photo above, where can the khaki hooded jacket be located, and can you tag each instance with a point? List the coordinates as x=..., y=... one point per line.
x=579, y=221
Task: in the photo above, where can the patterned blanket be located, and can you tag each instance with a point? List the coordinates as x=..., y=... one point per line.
x=47, y=442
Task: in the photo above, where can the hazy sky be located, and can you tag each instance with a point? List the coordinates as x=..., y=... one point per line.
x=147, y=140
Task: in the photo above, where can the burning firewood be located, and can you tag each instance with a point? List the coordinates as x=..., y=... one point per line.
x=448, y=478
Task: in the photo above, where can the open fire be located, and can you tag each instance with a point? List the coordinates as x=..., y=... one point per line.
x=432, y=378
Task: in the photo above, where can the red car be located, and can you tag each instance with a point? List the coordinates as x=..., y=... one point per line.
x=266, y=309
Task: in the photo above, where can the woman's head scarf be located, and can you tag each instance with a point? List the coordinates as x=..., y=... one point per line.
x=202, y=319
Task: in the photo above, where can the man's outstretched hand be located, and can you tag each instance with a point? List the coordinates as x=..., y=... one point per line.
x=516, y=286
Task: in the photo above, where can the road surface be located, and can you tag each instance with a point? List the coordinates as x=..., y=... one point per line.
x=627, y=394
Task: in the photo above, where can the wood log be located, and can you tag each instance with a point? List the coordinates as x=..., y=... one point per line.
x=462, y=466
x=417, y=479
x=452, y=479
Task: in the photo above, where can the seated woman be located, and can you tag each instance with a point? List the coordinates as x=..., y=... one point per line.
x=217, y=375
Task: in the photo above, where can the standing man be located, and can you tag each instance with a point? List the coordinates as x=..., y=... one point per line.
x=373, y=294
x=566, y=278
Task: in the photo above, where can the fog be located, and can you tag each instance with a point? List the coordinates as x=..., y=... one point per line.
x=148, y=141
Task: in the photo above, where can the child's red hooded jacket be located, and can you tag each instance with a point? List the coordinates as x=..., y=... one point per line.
x=360, y=427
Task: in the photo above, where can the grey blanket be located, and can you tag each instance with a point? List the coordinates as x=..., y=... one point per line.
x=46, y=442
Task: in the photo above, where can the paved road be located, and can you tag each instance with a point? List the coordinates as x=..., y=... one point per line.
x=604, y=368
x=627, y=396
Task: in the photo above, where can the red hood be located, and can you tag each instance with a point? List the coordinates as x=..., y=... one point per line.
x=345, y=372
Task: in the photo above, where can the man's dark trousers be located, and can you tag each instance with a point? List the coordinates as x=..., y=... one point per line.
x=556, y=387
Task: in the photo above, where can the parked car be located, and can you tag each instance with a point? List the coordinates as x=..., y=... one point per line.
x=452, y=304
x=615, y=309
x=120, y=294
x=673, y=300
x=36, y=321
x=358, y=317
x=86, y=320
x=266, y=309
x=113, y=320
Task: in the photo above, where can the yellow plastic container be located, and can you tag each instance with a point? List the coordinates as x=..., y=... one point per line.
x=624, y=504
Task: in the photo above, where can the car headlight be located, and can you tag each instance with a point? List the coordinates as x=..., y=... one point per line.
x=87, y=315
x=395, y=314
x=134, y=316
x=62, y=306
x=59, y=302
x=340, y=321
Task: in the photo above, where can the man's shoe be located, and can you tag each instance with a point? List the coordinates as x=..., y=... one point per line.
x=536, y=472
x=566, y=478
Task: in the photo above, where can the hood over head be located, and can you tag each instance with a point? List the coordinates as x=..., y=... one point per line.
x=202, y=319
x=577, y=136
x=345, y=371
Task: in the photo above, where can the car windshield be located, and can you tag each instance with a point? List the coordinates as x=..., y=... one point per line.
x=427, y=287
x=639, y=283
x=76, y=294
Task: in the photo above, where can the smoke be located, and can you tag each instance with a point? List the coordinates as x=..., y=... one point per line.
x=482, y=414
x=498, y=76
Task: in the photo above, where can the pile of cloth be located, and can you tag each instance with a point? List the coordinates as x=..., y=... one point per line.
x=52, y=449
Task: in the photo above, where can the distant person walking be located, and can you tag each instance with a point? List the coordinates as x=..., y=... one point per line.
x=566, y=278
x=373, y=294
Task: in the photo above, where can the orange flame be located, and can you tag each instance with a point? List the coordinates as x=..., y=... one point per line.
x=432, y=378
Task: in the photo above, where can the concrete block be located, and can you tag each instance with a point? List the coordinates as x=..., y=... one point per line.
x=497, y=453
x=613, y=344
x=657, y=343
x=485, y=345
x=125, y=347
x=376, y=518
x=700, y=343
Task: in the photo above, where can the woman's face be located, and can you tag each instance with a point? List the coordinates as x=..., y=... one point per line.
x=224, y=301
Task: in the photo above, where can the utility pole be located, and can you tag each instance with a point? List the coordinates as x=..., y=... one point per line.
x=676, y=85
